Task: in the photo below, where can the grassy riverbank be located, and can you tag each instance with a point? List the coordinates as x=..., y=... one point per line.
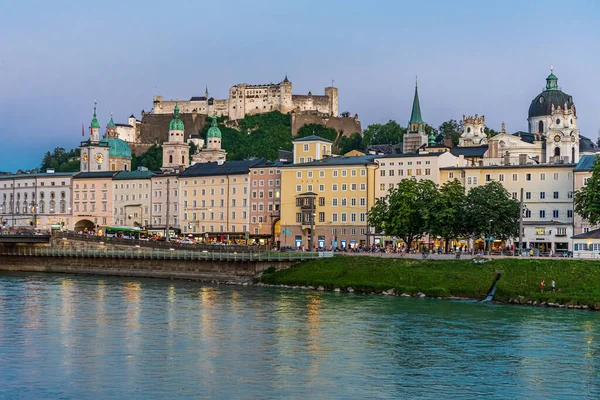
x=578, y=280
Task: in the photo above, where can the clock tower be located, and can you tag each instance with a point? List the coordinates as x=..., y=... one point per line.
x=93, y=152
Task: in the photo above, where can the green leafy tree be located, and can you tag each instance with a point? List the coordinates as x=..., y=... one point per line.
x=587, y=199
x=451, y=129
x=151, y=159
x=447, y=211
x=389, y=133
x=349, y=143
x=405, y=211
x=490, y=132
x=61, y=160
x=193, y=149
x=491, y=212
x=319, y=130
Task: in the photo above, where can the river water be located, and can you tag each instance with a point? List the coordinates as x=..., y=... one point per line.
x=64, y=336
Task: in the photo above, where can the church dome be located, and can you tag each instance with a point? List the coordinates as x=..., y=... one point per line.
x=117, y=147
x=176, y=123
x=552, y=96
x=214, y=131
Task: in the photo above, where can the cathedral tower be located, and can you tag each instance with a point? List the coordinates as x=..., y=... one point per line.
x=176, y=150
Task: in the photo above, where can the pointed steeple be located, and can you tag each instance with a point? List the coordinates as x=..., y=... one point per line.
x=111, y=123
x=206, y=92
x=95, y=123
x=415, y=115
x=285, y=80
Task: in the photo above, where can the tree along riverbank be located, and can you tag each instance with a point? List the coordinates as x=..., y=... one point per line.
x=577, y=281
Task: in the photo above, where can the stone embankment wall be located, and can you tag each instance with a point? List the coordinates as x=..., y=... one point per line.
x=201, y=270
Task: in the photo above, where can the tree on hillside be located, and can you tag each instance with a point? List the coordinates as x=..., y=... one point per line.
x=151, y=159
x=447, y=211
x=318, y=130
x=451, y=129
x=405, y=211
x=61, y=160
x=490, y=211
x=389, y=133
x=489, y=132
x=349, y=143
x=587, y=199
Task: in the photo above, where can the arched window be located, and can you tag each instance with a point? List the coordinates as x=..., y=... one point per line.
x=541, y=127
x=573, y=155
x=183, y=159
x=171, y=159
x=557, y=152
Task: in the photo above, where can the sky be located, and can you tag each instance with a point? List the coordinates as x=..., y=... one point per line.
x=471, y=57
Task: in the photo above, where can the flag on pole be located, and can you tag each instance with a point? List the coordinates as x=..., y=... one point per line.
x=82, y=130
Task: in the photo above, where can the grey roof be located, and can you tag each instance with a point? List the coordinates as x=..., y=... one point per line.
x=311, y=138
x=214, y=169
x=134, y=175
x=593, y=234
x=95, y=175
x=266, y=164
x=586, y=145
x=198, y=98
x=585, y=163
x=126, y=125
x=37, y=175
x=383, y=148
x=285, y=155
x=331, y=161
x=475, y=151
x=520, y=166
x=410, y=155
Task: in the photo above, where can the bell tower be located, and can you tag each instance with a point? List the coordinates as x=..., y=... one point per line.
x=175, y=150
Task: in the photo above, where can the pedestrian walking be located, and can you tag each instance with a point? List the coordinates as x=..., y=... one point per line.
x=543, y=286
x=553, y=284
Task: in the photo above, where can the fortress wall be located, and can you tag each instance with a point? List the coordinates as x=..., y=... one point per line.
x=345, y=126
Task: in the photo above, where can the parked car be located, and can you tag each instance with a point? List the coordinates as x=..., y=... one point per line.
x=286, y=249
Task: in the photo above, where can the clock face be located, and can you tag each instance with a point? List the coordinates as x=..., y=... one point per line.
x=85, y=158
x=99, y=157
x=557, y=138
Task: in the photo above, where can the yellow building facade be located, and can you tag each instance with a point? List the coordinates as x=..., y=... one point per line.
x=337, y=191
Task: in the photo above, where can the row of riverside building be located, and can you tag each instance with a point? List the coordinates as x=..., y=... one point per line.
x=271, y=202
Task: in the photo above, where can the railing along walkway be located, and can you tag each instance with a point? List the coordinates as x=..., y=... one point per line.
x=162, y=254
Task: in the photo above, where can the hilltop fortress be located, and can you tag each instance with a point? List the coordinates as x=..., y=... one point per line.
x=244, y=99
x=247, y=99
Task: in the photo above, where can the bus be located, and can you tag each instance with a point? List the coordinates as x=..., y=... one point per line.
x=126, y=232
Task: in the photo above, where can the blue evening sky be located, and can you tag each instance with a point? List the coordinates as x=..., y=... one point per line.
x=471, y=57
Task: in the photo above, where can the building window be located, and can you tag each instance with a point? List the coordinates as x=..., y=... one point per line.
x=298, y=217
x=500, y=177
x=542, y=176
x=542, y=195
x=334, y=217
x=554, y=213
x=515, y=177
x=556, y=195
x=306, y=147
x=298, y=188
x=569, y=213
x=321, y=217
x=528, y=213
x=542, y=213
x=299, y=174
x=321, y=201
x=528, y=177
x=451, y=175
x=528, y=195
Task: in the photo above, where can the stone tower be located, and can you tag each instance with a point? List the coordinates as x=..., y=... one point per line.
x=213, y=151
x=473, y=131
x=416, y=136
x=94, y=153
x=332, y=93
x=175, y=150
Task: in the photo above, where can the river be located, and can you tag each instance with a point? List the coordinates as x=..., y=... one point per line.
x=65, y=336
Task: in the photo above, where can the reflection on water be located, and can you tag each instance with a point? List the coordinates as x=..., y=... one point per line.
x=81, y=337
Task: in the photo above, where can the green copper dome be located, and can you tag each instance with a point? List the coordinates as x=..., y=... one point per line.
x=176, y=123
x=214, y=131
x=111, y=123
x=551, y=97
x=118, y=147
x=95, y=123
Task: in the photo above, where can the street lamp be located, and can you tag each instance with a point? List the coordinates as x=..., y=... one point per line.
x=490, y=236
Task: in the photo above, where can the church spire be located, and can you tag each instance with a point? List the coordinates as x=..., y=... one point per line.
x=95, y=123
x=415, y=115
